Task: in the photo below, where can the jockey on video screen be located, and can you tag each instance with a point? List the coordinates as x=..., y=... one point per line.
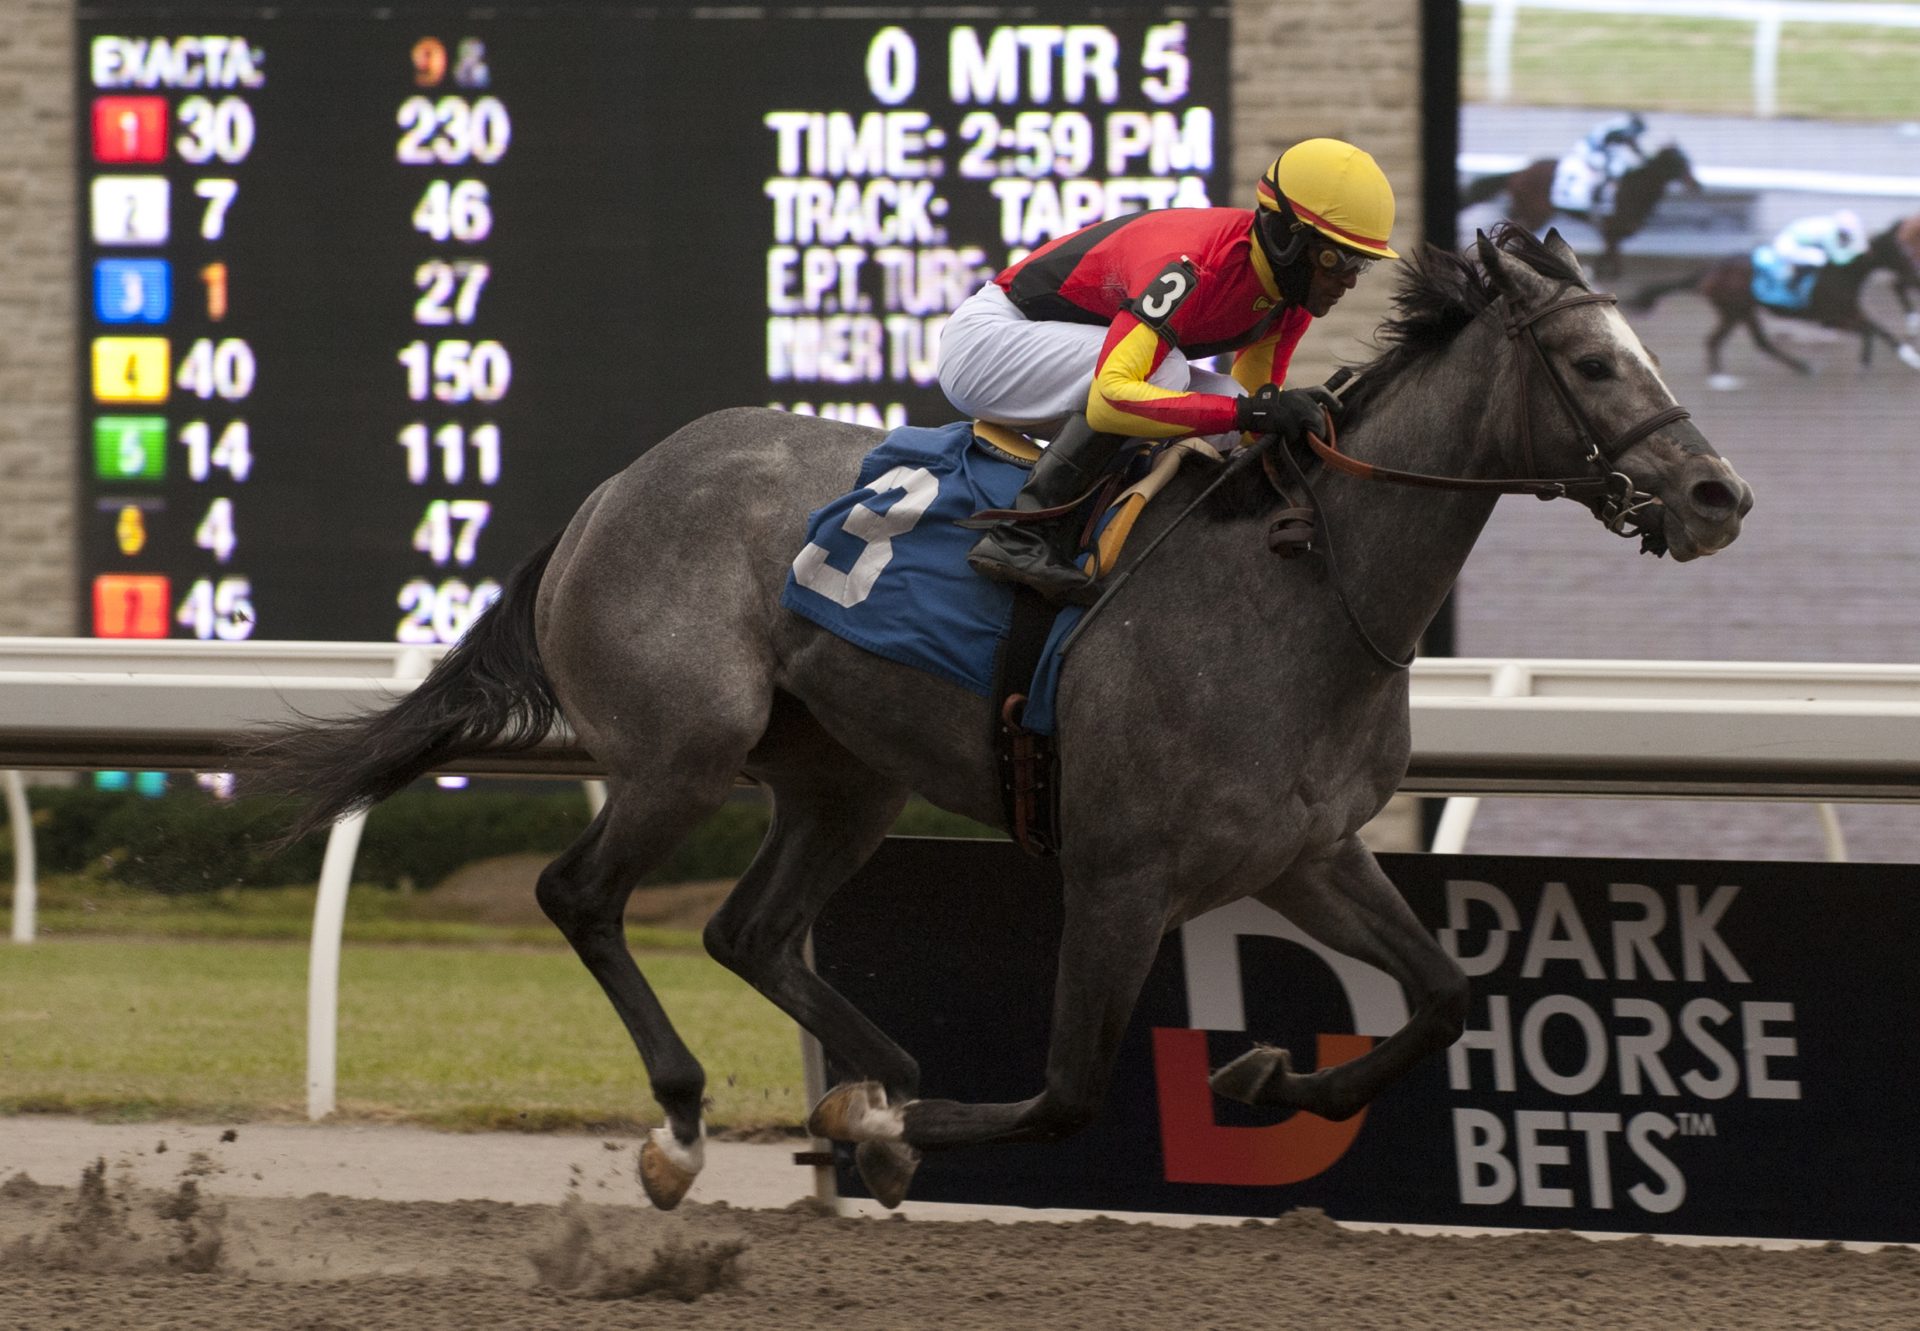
x=1786, y=267
x=1585, y=179
x=1091, y=337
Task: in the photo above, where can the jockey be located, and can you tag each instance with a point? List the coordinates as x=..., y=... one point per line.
x=1786, y=267
x=1586, y=176
x=1815, y=242
x=1092, y=337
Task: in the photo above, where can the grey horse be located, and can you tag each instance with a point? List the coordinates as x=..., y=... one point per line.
x=1226, y=726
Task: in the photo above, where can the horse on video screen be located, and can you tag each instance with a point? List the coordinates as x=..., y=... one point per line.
x=1727, y=285
x=1636, y=192
x=1225, y=734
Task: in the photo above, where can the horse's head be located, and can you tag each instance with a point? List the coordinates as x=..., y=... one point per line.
x=1907, y=232
x=1897, y=249
x=1670, y=164
x=1589, y=402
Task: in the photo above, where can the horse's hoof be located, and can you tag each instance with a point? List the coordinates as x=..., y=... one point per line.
x=886, y=1168
x=1909, y=357
x=856, y=1111
x=668, y=1167
x=1724, y=383
x=1248, y=1075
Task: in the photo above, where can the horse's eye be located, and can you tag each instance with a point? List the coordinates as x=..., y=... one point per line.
x=1592, y=367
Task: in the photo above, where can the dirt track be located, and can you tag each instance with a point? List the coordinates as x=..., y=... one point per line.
x=100, y=1252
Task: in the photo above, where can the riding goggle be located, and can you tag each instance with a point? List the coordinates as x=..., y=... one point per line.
x=1332, y=259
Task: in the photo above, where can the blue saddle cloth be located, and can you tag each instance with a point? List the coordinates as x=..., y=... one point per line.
x=1775, y=284
x=885, y=565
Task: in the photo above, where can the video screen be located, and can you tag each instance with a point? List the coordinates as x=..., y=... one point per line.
x=1747, y=180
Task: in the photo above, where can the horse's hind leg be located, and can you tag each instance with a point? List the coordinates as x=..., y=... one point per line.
x=1345, y=901
x=1765, y=344
x=1107, y=947
x=830, y=813
x=584, y=892
x=1715, y=340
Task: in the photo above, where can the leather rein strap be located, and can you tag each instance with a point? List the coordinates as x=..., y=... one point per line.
x=1590, y=488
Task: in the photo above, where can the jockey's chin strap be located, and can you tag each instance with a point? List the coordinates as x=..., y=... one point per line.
x=1606, y=490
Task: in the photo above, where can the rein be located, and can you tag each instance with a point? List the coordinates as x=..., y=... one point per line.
x=1604, y=486
x=1607, y=491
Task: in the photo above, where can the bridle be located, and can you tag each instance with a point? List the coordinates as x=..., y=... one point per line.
x=1606, y=490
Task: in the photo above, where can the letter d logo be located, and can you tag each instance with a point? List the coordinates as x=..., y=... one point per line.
x=1199, y=1150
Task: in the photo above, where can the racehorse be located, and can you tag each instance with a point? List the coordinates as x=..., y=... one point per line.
x=1225, y=731
x=1529, y=198
x=1835, y=302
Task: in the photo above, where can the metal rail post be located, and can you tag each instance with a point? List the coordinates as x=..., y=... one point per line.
x=25, y=894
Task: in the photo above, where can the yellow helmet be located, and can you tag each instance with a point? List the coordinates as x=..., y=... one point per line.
x=1336, y=189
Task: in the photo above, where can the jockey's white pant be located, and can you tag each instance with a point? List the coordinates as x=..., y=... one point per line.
x=1576, y=183
x=998, y=365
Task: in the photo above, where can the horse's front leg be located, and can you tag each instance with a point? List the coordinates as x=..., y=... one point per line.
x=1871, y=332
x=1345, y=901
x=1111, y=934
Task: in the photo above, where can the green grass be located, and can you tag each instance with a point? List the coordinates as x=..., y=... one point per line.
x=1700, y=65
x=78, y=905
x=462, y=1037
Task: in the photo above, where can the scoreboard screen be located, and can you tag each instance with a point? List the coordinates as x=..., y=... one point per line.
x=373, y=295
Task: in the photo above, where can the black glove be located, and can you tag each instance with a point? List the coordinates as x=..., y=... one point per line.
x=1287, y=412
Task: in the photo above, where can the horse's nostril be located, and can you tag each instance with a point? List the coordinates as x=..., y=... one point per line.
x=1713, y=497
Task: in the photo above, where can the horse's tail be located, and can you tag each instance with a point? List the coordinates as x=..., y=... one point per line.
x=1648, y=296
x=1483, y=189
x=489, y=692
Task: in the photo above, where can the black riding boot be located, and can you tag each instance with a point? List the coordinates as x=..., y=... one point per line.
x=1040, y=554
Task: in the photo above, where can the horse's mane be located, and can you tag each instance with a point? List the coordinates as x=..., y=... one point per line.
x=1441, y=291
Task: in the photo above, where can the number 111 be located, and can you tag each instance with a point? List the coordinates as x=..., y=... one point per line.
x=453, y=441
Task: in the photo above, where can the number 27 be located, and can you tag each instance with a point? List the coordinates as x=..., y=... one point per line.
x=440, y=282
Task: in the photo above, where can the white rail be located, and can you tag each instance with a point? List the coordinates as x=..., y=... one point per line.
x=1480, y=726
x=1773, y=179
x=1767, y=17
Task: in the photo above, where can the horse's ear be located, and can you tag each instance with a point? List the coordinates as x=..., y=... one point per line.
x=1495, y=264
x=1557, y=246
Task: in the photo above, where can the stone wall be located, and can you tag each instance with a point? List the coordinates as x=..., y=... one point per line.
x=38, y=381
x=1301, y=68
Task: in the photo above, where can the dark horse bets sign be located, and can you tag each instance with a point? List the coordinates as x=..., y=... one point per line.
x=1653, y=1046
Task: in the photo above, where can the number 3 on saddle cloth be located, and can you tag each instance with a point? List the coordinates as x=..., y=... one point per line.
x=885, y=568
